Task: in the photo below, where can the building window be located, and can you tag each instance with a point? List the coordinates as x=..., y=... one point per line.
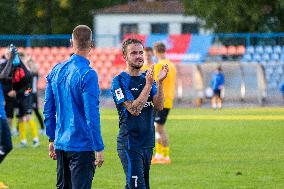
x=190, y=28
x=128, y=29
x=159, y=28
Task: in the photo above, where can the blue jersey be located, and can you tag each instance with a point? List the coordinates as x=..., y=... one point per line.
x=282, y=88
x=135, y=132
x=71, y=109
x=217, y=81
x=2, y=105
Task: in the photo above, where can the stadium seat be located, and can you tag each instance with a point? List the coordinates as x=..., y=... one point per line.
x=281, y=58
x=275, y=57
x=269, y=70
x=37, y=51
x=93, y=58
x=102, y=57
x=223, y=50
x=213, y=51
x=104, y=84
x=259, y=49
x=256, y=58
x=241, y=50
x=268, y=49
x=277, y=49
x=231, y=50
x=107, y=64
x=107, y=51
x=45, y=51
x=104, y=71
x=54, y=50
x=272, y=84
x=115, y=50
x=2, y=51
x=111, y=57
x=265, y=57
x=246, y=58
x=41, y=71
x=46, y=66
x=113, y=71
x=59, y=58
x=63, y=51
x=99, y=51
x=250, y=49
x=279, y=70
x=50, y=59
x=282, y=49
x=28, y=51
x=98, y=64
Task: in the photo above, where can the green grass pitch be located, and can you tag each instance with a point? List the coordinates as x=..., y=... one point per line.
x=210, y=149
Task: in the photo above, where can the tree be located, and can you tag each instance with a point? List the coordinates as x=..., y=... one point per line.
x=239, y=16
x=9, y=17
x=48, y=16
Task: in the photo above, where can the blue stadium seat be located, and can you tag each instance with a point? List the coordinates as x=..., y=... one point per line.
x=272, y=84
x=259, y=49
x=275, y=57
x=281, y=58
x=246, y=58
x=265, y=57
x=277, y=49
x=256, y=58
x=268, y=49
x=279, y=70
x=250, y=49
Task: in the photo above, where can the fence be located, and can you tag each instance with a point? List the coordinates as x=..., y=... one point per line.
x=226, y=39
x=243, y=83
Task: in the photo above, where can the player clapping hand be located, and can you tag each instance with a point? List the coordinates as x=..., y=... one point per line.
x=150, y=76
x=163, y=73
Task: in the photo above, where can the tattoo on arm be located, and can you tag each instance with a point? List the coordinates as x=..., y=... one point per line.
x=159, y=98
x=134, y=108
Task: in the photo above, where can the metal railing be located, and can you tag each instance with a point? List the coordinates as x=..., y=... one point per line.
x=227, y=39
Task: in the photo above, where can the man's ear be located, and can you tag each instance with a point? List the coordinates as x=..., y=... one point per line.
x=71, y=43
x=124, y=56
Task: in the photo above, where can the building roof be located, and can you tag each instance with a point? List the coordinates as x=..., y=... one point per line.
x=145, y=7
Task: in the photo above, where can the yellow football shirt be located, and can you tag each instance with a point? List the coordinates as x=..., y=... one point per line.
x=168, y=83
x=145, y=67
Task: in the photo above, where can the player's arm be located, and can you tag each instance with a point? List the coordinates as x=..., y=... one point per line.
x=91, y=93
x=158, y=99
x=6, y=70
x=49, y=110
x=135, y=107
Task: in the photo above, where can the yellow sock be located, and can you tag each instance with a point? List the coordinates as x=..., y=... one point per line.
x=22, y=131
x=158, y=148
x=33, y=128
x=166, y=151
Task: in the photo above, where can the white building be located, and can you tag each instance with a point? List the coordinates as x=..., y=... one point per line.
x=143, y=17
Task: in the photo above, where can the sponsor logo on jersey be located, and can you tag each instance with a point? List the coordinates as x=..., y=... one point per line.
x=148, y=104
x=134, y=89
x=118, y=93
